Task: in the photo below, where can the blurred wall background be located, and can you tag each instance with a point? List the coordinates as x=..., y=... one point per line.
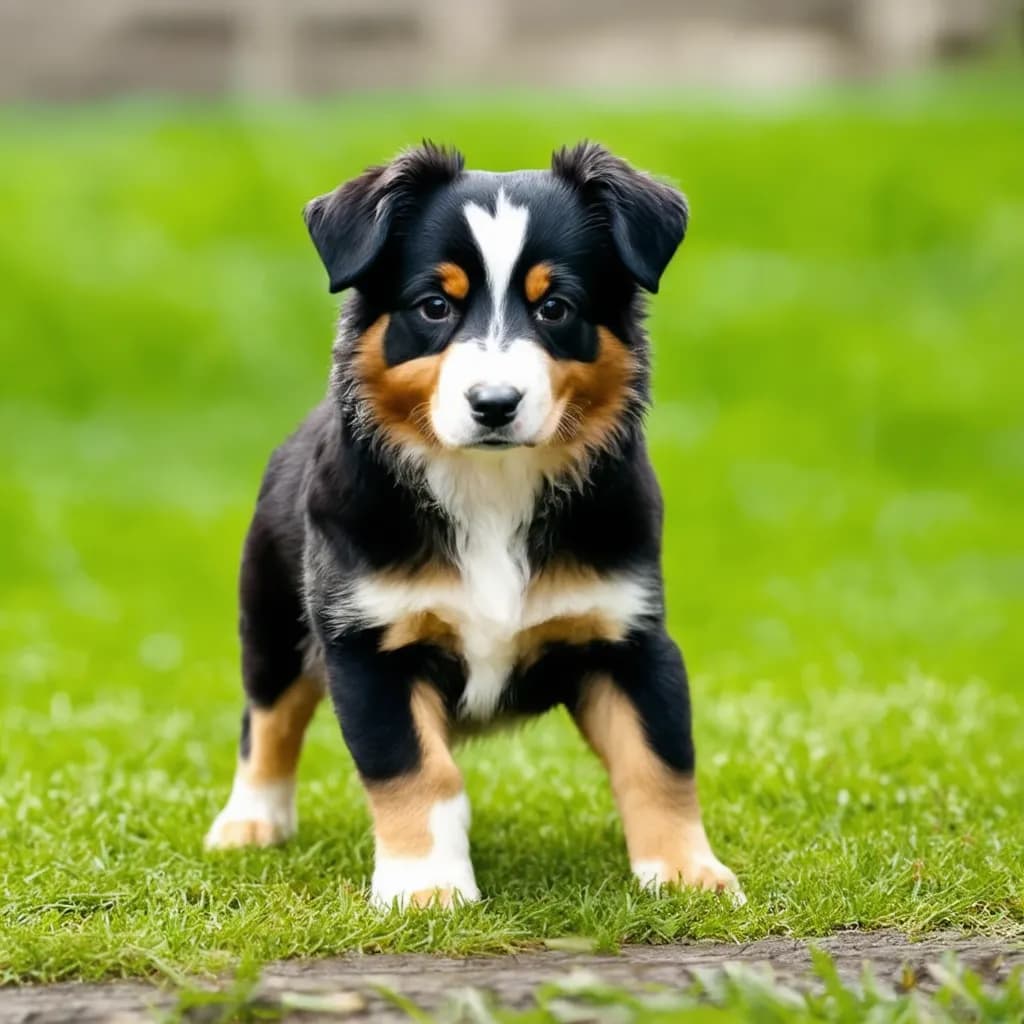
x=79, y=49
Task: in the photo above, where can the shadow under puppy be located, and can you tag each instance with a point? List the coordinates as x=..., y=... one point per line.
x=468, y=528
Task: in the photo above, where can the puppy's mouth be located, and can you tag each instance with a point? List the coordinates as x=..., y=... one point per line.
x=498, y=440
x=495, y=442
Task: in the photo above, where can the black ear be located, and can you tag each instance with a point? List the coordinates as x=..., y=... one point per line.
x=351, y=225
x=647, y=218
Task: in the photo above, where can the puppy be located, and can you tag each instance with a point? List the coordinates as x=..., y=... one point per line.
x=468, y=528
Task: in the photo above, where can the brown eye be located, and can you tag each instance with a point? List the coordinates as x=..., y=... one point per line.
x=552, y=311
x=435, y=308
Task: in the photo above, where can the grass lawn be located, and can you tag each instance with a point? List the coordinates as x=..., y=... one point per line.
x=839, y=431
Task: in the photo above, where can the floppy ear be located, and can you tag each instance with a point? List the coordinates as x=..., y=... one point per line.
x=351, y=225
x=646, y=217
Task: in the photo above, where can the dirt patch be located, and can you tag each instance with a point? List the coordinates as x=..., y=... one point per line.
x=426, y=980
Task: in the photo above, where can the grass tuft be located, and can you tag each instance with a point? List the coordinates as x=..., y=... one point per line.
x=733, y=994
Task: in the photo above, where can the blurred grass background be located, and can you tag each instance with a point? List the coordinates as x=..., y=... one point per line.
x=838, y=431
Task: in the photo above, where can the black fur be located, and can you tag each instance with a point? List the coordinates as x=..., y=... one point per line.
x=337, y=504
x=647, y=218
x=352, y=225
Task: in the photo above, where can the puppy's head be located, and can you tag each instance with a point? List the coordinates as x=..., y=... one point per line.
x=496, y=310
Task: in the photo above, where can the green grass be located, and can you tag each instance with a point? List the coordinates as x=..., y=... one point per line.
x=735, y=994
x=840, y=435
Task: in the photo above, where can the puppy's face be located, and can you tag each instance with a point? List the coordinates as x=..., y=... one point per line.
x=495, y=308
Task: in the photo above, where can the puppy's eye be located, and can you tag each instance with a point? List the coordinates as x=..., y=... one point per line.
x=435, y=308
x=553, y=311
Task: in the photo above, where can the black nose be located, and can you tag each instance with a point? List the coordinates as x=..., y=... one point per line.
x=493, y=405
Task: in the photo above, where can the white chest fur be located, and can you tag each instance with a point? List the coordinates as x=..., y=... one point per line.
x=491, y=601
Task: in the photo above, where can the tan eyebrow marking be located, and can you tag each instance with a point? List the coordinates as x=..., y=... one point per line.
x=538, y=281
x=454, y=280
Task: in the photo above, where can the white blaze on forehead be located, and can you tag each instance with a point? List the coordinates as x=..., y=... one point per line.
x=499, y=237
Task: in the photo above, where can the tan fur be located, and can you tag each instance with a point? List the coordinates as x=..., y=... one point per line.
x=401, y=807
x=430, y=897
x=399, y=395
x=591, y=398
x=563, y=574
x=659, y=807
x=454, y=280
x=425, y=626
x=234, y=834
x=564, y=629
x=421, y=628
x=538, y=281
x=431, y=627
x=276, y=733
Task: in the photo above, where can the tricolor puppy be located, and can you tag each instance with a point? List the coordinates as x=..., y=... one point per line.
x=468, y=529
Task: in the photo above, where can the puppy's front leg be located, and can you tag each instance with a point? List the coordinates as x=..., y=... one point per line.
x=637, y=719
x=396, y=727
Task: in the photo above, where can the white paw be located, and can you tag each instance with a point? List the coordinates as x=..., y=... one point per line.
x=442, y=876
x=422, y=881
x=699, y=871
x=255, y=815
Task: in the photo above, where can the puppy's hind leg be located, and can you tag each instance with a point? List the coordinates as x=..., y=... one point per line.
x=281, y=698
